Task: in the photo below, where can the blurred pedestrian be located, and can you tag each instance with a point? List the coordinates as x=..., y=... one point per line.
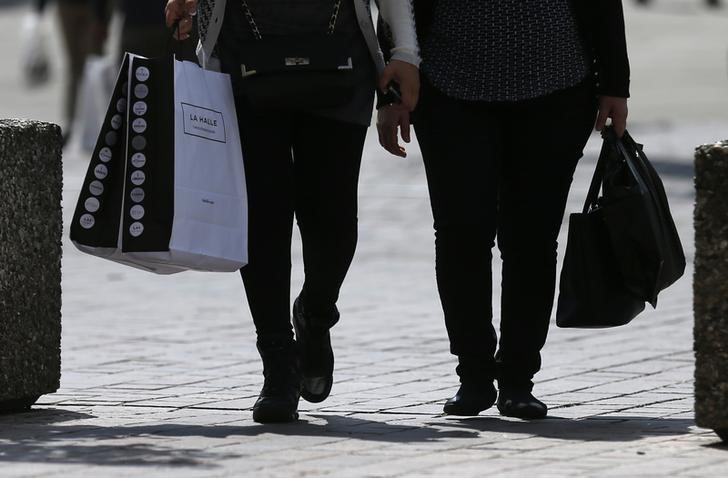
x=301, y=156
x=84, y=27
x=510, y=92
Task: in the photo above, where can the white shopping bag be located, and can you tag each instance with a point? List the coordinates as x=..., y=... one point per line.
x=97, y=84
x=165, y=190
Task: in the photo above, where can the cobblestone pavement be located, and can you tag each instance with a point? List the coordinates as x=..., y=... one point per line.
x=159, y=373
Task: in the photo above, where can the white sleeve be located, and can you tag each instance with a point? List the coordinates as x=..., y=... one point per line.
x=399, y=16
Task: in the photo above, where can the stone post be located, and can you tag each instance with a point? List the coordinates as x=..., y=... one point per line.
x=30, y=262
x=710, y=288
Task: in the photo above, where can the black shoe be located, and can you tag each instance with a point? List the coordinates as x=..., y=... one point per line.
x=317, y=357
x=278, y=400
x=520, y=404
x=471, y=399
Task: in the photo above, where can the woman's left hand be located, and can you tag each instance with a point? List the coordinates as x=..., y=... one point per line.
x=407, y=76
x=615, y=108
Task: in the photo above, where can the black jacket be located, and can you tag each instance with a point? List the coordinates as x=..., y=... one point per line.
x=601, y=25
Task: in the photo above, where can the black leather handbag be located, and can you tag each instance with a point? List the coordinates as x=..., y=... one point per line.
x=297, y=71
x=623, y=248
x=641, y=229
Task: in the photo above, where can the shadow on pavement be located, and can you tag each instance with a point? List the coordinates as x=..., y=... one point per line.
x=35, y=437
x=39, y=438
x=608, y=429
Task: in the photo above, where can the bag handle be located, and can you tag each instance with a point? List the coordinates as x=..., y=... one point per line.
x=172, y=38
x=609, y=138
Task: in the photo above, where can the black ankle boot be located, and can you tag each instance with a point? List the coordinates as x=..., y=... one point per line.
x=317, y=357
x=471, y=399
x=278, y=400
x=520, y=404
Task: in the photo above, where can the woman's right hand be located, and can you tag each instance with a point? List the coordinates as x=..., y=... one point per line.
x=391, y=118
x=182, y=11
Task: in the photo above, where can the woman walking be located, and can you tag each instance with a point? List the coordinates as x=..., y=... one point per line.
x=301, y=159
x=510, y=93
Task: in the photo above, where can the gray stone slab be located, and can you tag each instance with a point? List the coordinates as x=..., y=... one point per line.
x=30, y=261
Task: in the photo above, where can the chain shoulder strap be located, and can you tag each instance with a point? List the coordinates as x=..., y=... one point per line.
x=256, y=32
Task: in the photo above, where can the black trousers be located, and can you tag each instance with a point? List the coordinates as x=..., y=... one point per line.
x=298, y=163
x=500, y=170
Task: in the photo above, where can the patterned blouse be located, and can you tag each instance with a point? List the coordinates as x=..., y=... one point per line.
x=503, y=50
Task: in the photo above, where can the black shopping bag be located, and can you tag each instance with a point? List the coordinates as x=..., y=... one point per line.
x=592, y=293
x=642, y=232
x=623, y=248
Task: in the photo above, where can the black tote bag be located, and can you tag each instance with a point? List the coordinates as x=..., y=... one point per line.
x=591, y=289
x=641, y=229
x=623, y=249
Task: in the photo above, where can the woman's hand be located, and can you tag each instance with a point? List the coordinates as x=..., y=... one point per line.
x=615, y=108
x=389, y=118
x=182, y=11
x=407, y=76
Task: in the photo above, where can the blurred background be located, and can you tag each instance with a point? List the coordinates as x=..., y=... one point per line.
x=678, y=51
x=61, y=57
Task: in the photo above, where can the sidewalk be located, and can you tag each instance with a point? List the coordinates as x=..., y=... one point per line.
x=159, y=373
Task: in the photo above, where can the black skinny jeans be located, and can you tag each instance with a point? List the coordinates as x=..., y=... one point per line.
x=308, y=165
x=500, y=170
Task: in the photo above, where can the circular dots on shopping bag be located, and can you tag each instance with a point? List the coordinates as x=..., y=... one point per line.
x=87, y=221
x=116, y=121
x=121, y=105
x=137, y=195
x=111, y=138
x=138, y=160
x=141, y=91
x=92, y=204
x=101, y=171
x=139, y=108
x=137, y=212
x=142, y=73
x=136, y=229
x=139, y=125
x=105, y=154
x=138, y=178
x=96, y=188
x=139, y=142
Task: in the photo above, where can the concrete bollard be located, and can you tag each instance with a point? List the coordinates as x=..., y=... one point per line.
x=30, y=262
x=710, y=288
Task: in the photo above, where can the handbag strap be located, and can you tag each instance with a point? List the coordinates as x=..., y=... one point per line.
x=256, y=32
x=596, y=183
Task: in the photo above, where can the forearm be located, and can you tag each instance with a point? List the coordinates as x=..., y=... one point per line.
x=399, y=17
x=610, y=48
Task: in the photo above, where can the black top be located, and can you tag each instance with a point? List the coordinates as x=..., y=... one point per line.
x=283, y=17
x=601, y=27
x=503, y=50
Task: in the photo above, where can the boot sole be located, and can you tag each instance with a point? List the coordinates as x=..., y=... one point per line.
x=463, y=412
x=317, y=398
x=264, y=416
x=525, y=415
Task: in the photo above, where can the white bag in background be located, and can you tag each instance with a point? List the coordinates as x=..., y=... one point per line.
x=35, y=63
x=97, y=84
